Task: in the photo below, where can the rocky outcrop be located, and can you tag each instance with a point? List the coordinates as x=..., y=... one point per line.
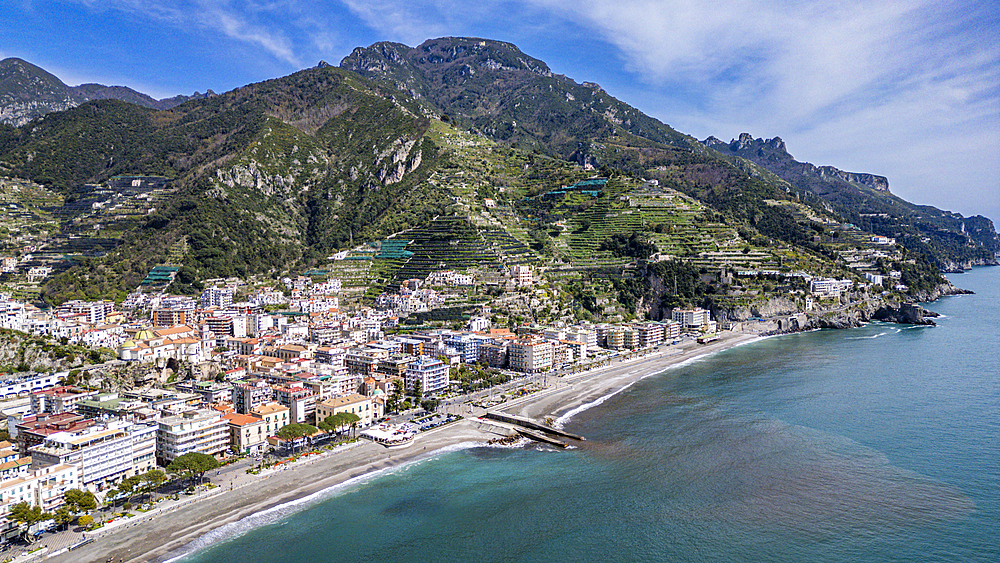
x=942, y=290
x=906, y=313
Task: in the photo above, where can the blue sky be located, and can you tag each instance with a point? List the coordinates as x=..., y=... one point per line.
x=906, y=89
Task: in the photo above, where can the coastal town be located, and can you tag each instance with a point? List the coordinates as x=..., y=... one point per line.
x=277, y=374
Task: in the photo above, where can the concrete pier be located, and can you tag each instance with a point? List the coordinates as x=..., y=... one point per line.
x=528, y=423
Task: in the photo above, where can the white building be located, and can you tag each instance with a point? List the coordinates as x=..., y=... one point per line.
x=430, y=372
x=521, y=275
x=529, y=356
x=45, y=487
x=826, y=287
x=691, y=319
x=202, y=430
x=221, y=297
x=105, y=454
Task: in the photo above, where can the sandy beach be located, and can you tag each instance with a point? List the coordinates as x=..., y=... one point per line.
x=167, y=535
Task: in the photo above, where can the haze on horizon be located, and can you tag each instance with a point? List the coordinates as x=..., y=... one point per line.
x=910, y=91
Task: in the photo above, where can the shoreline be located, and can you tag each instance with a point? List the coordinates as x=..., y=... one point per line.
x=174, y=533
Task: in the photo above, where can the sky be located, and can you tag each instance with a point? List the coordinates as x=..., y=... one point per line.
x=907, y=89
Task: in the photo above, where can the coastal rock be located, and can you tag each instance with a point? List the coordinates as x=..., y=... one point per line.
x=939, y=291
x=907, y=313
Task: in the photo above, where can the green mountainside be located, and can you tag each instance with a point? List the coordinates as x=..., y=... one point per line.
x=459, y=154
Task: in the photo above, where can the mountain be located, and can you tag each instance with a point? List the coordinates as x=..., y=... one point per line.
x=468, y=150
x=494, y=88
x=955, y=242
x=27, y=92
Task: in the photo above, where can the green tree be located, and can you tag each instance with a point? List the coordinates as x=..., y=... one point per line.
x=79, y=501
x=63, y=516
x=28, y=515
x=294, y=431
x=193, y=463
x=395, y=399
x=85, y=520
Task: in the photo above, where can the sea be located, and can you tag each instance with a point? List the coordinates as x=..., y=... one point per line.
x=880, y=443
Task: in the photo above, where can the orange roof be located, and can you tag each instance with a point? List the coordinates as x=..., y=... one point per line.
x=237, y=419
x=177, y=329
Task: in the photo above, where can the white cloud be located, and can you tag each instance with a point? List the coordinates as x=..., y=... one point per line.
x=909, y=90
x=249, y=23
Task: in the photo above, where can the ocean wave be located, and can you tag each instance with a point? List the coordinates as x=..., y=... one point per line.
x=872, y=337
x=281, y=511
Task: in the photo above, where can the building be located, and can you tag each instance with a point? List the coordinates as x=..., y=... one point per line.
x=171, y=317
x=34, y=429
x=247, y=396
x=45, y=488
x=58, y=399
x=529, y=356
x=650, y=334
x=826, y=287
x=430, y=373
x=200, y=430
x=14, y=385
x=467, y=346
x=275, y=417
x=221, y=297
x=368, y=409
x=246, y=433
x=301, y=403
x=521, y=275
x=691, y=319
x=105, y=454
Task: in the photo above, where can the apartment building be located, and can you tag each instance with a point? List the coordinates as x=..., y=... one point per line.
x=301, y=403
x=58, y=399
x=201, y=430
x=45, y=488
x=275, y=417
x=431, y=373
x=529, y=356
x=369, y=409
x=105, y=453
x=691, y=319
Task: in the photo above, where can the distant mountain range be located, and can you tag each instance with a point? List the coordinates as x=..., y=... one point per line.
x=865, y=200
x=281, y=173
x=27, y=92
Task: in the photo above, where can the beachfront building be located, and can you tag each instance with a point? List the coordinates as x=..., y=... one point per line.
x=104, y=453
x=431, y=374
x=246, y=433
x=368, y=409
x=650, y=334
x=828, y=287
x=691, y=319
x=201, y=430
x=45, y=487
x=529, y=356
x=274, y=415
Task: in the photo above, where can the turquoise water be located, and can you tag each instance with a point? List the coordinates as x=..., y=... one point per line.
x=874, y=444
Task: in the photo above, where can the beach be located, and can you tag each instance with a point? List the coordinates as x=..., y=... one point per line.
x=168, y=535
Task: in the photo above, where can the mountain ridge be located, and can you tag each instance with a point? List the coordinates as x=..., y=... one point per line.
x=278, y=174
x=956, y=242
x=27, y=91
